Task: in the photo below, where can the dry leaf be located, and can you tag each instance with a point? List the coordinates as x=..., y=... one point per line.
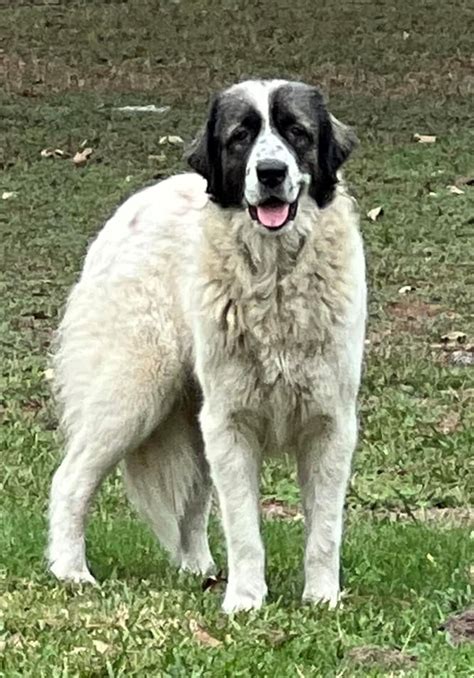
x=455, y=190
x=449, y=423
x=405, y=35
x=202, y=636
x=454, y=337
x=276, y=509
x=424, y=138
x=6, y=195
x=161, y=157
x=149, y=108
x=52, y=153
x=214, y=582
x=375, y=213
x=100, y=646
x=82, y=157
x=405, y=289
x=172, y=139
x=432, y=194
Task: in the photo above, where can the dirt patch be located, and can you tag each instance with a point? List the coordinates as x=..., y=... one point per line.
x=415, y=310
x=388, y=657
x=460, y=627
x=445, y=517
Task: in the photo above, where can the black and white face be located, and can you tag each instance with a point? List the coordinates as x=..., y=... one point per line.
x=265, y=143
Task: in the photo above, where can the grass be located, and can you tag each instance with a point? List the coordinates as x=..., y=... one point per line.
x=391, y=69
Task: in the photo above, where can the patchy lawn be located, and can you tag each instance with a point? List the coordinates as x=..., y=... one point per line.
x=392, y=70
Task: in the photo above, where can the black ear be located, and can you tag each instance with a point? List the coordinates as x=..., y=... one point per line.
x=335, y=143
x=204, y=155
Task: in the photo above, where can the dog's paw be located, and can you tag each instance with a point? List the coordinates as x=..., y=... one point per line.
x=243, y=600
x=67, y=573
x=200, y=566
x=322, y=596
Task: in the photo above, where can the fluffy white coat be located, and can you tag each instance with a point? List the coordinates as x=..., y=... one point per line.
x=182, y=303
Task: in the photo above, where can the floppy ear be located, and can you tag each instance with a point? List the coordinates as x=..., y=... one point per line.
x=204, y=154
x=335, y=143
x=342, y=142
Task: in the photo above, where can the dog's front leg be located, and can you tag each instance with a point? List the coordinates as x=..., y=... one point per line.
x=323, y=470
x=234, y=459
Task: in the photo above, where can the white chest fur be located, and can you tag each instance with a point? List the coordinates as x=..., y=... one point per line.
x=281, y=321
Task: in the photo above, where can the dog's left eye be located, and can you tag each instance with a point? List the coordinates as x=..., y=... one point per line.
x=297, y=132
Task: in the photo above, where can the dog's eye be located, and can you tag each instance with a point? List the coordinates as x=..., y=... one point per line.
x=297, y=132
x=240, y=136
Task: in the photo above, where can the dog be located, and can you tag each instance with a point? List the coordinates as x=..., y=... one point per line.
x=219, y=317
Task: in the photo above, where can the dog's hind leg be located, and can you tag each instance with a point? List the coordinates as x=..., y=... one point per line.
x=167, y=479
x=111, y=426
x=93, y=451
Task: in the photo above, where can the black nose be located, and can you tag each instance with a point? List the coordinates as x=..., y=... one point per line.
x=271, y=173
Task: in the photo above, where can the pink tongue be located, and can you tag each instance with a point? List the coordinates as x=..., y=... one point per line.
x=273, y=217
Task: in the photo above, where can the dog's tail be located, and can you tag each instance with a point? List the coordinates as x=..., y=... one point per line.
x=162, y=478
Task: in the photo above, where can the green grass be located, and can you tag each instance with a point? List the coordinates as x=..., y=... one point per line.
x=64, y=72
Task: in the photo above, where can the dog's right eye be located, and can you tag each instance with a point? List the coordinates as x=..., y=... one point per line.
x=240, y=136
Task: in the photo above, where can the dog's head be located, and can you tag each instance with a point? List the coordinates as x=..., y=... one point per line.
x=265, y=142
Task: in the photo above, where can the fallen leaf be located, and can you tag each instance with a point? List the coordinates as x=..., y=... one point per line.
x=276, y=509
x=100, y=646
x=214, y=582
x=82, y=157
x=371, y=654
x=149, y=108
x=201, y=636
x=161, y=157
x=6, y=195
x=405, y=35
x=375, y=213
x=455, y=190
x=454, y=337
x=172, y=139
x=405, y=289
x=52, y=153
x=424, y=138
x=432, y=194
x=460, y=627
x=449, y=423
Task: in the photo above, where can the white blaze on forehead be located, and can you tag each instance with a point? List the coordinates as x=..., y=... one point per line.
x=268, y=145
x=257, y=93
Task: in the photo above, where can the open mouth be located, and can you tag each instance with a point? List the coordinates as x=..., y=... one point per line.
x=273, y=213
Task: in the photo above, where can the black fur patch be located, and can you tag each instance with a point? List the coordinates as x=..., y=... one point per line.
x=301, y=118
x=222, y=152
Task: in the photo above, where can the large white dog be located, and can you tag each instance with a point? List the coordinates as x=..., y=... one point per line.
x=220, y=316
